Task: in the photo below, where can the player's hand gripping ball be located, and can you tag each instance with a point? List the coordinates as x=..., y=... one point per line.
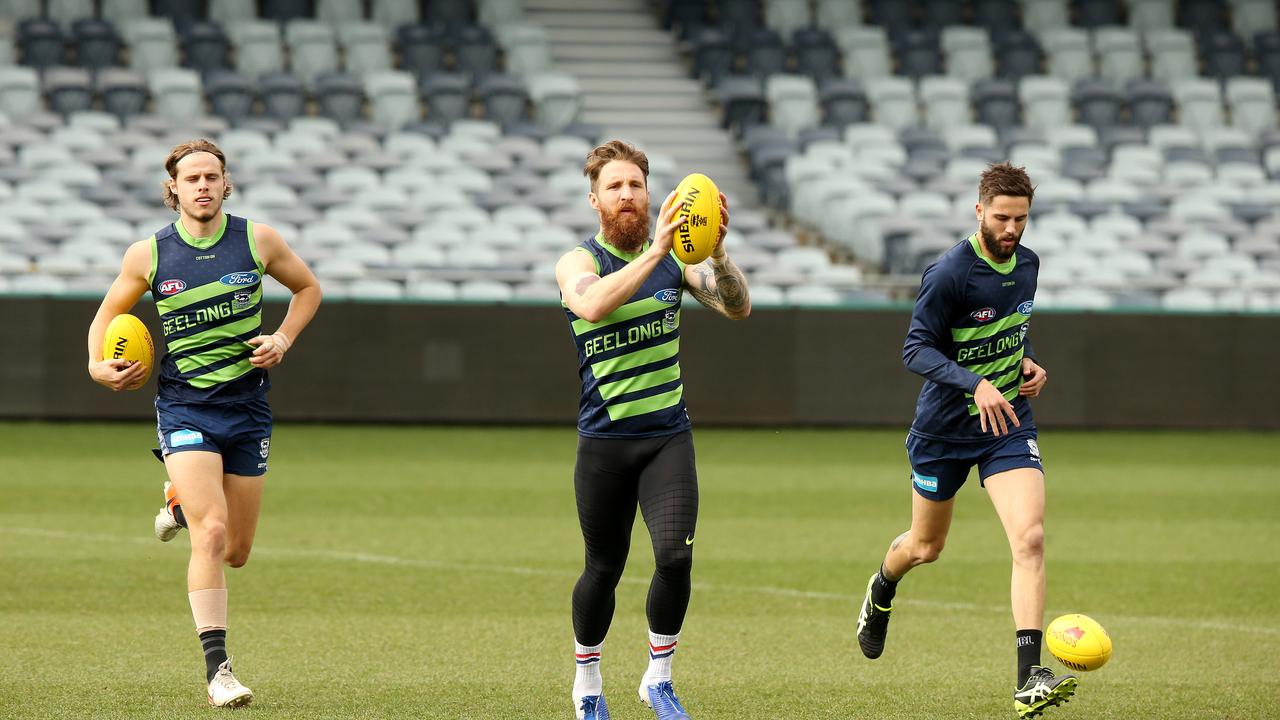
x=127, y=339
x=699, y=228
x=1078, y=642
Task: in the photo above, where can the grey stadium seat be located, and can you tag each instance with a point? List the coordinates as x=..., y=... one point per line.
x=283, y=96
x=1119, y=54
x=366, y=46
x=448, y=97
x=313, y=48
x=19, y=91
x=152, y=44
x=258, y=46
x=557, y=99
x=177, y=94
x=393, y=97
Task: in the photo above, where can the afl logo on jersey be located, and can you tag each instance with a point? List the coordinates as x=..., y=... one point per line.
x=668, y=295
x=984, y=315
x=1025, y=308
x=239, y=278
x=172, y=287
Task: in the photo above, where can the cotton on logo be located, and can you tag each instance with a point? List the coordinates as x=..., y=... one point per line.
x=171, y=287
x=986, y=314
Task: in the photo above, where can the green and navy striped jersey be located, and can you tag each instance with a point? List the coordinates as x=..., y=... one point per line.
x=630, y=360
x=970, y=322
x=208, y=292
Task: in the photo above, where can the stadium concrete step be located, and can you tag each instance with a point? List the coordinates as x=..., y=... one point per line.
x=597, y=68
x=683, y=120
x=637, y=87
x=684, y=102
x=614, y=53
x=606, y=36
x=636, y=84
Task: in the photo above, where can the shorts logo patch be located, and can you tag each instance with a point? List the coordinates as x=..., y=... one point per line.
x=668, y=295
x=264, y=448
x=986, y=314
x=180, y=438
x=1035, y=450
x=924, y=482
x=172, y=287
x=1025, y=308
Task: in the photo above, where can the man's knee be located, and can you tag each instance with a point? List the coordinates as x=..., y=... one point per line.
x=237, y=557
x=673, y=559
x=210, y=537
x=1028, y=546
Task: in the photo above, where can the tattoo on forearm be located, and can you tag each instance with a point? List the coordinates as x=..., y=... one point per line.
x=731, y=285
x=585, y=283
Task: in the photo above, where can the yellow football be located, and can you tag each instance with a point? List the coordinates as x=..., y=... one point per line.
x=1078, y=642
x=700, y=218
x=127, y=339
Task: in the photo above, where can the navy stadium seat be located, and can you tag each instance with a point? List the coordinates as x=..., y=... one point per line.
x=765, y=53
x=997, y=16
x=476, y=53
x=205, y=46
x=230, y=95
x=1150, y=103
x=1098, y=13
x=742, y=102
x=919, y=52
x=340, y=97
x=449, y=13
x=96, y=42
x=816, y=54
x=1018, y=54
x=68, y=89
x=41, y=43
x=284, y=96
x=843, y=101
x=1098, y=102
x=1223, y=53
x=421, y=49
x=124, y=92
x=713, y=56
x=285, y=10
x=505, y=99
x=995, y=103
x=448, y=97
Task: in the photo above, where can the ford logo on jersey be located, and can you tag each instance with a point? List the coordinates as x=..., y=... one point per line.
x=668, y=295
x=172, y=287
x=1025, y=308
x=239, y=278
x=983, y=315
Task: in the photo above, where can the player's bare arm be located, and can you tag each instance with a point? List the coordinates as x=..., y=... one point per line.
x=591, y=297
x=128, y=287
x=717, y=282
x=1033, y=378
x=282, y=263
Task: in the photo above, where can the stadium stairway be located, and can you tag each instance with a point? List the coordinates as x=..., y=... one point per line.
x=643, y=94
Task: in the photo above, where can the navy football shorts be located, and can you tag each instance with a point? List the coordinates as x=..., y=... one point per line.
x=939, y=468
x=238, y=431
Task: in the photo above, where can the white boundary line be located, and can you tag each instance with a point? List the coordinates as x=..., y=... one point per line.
x=378, y=559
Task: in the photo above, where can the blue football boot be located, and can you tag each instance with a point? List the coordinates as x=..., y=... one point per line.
x=593, y=707
x=662, y=698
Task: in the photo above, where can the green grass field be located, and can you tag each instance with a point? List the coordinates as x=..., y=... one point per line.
x=425, y=573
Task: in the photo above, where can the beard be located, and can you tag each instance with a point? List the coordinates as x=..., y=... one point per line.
x=991, y=243
x=626, y=232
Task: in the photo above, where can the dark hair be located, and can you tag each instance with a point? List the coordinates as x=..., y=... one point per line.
x=1005, y=179
x=183, y=150
x=610, y=151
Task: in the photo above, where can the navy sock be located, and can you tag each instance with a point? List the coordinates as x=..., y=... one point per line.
x=1028, y=653
x=214, y=643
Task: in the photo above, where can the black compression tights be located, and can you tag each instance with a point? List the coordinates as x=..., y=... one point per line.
x=612, y=476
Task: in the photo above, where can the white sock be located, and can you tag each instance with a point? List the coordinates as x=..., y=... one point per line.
x=661, y=650
x=587, y=681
